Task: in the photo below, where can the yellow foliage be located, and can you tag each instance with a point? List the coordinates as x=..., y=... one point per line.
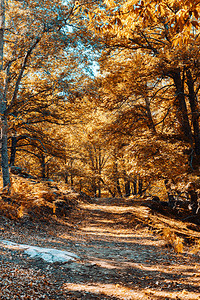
x=20, y=211
x=196, y=247
x=177, y=15
x=35, y=199
x=26, y=195
x=173, y=240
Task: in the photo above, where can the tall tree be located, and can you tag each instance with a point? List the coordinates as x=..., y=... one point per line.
x=33, y=49
x=166, y=34
x=3, y=100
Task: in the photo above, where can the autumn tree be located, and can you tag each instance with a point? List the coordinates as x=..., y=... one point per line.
x=3, y=102
x=86, y=156
x=164, y=36
x=19, y=43
x=37, y=41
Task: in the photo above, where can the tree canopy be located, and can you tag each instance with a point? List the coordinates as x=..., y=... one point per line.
x=135, y=121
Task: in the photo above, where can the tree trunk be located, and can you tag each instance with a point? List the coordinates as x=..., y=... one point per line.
x=99, y=164
x=170, y=193
x=2, y=28
x=99, y=189
x=181, y=106
x=195, y=112
x=140, y=186
x=66, y=177
x=43, y=166
x=127, y=188
x=94, y=187
x=4, y=153
x=127, y=184
x=71, y=180
x=118, y=187
x=13, y=150
x=47, y=171
x=71, y=173
x=108, y=188
x=135, y=186
x=193, y=195
x=80, y=186
x=149, y=115
x=3, y=105
x=116, y=177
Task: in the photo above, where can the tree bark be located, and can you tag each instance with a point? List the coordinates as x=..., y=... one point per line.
x=94, y=187
x=43, y=166
x=116, y=177
x=3, y=105
x=71, y=173
x=127, y=184
x=66, y=177
x=99, y=188
x=99, y=171
x=140, y=186
x=170, y=193
x=108, y=188
x=149, y=115
x=4, y=153
x=127, y=188
x=13, y=150
x=135, y=186
x=71, y=180
x=2, y=28
x=195, y=112
x=181, y=106
x=80, y=185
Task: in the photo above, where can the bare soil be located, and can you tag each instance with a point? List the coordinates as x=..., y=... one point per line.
x=121, y=250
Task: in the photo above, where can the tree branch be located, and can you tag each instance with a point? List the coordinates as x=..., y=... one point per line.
x=28, y=53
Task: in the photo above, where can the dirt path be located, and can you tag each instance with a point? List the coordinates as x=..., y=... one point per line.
x=119, y=259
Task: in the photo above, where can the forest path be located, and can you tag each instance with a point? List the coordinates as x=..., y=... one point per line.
x=119, y=258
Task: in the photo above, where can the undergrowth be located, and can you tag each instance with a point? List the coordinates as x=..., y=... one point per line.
x=172, y=240
x=40, y=200
x=34, y=199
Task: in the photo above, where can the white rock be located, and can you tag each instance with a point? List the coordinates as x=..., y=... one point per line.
x=50, y=255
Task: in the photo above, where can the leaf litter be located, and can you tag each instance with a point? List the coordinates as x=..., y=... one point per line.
x=117, y=256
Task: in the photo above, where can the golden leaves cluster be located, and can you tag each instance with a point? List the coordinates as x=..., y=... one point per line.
x=179, y=18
